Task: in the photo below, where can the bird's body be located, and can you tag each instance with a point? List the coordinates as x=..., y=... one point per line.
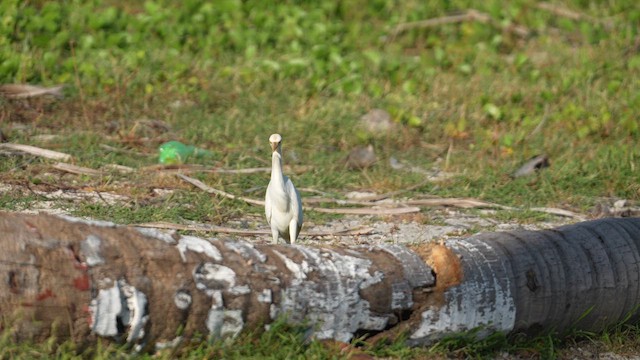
x=283, y=206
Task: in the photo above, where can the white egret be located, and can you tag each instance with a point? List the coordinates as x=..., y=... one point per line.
x=282, y=203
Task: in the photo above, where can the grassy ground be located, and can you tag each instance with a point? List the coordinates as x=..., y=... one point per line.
x=475, y=99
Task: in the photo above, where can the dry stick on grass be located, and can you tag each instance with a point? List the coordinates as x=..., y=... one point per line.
x=461, y=203
x=357, y=211
x=189, y=168
x=200, y=185
x=118, y=168
x=571, y=14
x=559, y=212
x=24, y=91
x=34, y=150
x=123, y=151
x=227, y=230
x=366, y=211
x=469, y=15
x=394, y=193
x=78, y=170
x=457, y=202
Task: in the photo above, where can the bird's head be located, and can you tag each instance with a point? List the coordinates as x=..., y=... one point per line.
x=275, y=140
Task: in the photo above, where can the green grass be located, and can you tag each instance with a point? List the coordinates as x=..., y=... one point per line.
x=472, y=99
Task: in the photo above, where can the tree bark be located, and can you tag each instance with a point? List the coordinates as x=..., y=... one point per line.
x=150, y=289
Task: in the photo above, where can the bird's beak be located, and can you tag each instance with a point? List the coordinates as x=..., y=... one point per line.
x=274, y=146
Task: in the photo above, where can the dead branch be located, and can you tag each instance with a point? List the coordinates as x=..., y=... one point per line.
x=562, y=11
x=404, y=207
x=468, y=15
x=348, y=211
x=559, y=212
x=191, y=168
x=78, y=170
x=34, y=150
x=457, y=202
x=366, y=211
x=123, y=151
x=226, y=230
x=397, y=192
x=202, y=186
x=118, y=168
x=24, y=91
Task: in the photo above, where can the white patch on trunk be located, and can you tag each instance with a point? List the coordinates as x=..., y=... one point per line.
x=246, y=250
x=105, y=310
x=88, y=222
x=182, y=299
x=161, y=345
x=240, y=290
x=122, y=304
x=401, y=296
x=299, y=271
x=158, y=234
x=265, y=296
x=331, y=302
x=198, y=245
x=135, y=316
x=482, y=300
x=220, y=322
x=210, y=277
x=224, y=323
x=90, y=249
x=274, y=312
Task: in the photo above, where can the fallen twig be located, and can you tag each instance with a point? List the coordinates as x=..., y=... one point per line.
x=367, y=211
x=319, y=200
x=33, y=150
x=357, y=211
x=199, y=184
x=227, y=230
x=397, y=192
x=24, y=91
x=118, y=168
x=189, y=168
x=123, y=151
x=404, y=207
x=571, y=14
x=468, y=15
x=78, y=170
x=559, y=212
x=457, y=202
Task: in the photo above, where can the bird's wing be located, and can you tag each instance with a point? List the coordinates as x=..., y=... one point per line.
x=267, y=205
x=295, y=203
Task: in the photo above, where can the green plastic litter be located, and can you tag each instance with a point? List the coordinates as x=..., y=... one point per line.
x=175, y=152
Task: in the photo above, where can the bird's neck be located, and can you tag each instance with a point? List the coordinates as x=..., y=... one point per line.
x=276, y=169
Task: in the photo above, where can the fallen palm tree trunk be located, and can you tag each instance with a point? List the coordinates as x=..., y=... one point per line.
x=82, y=280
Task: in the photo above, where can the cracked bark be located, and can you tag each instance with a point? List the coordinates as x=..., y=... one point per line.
x=83, y=280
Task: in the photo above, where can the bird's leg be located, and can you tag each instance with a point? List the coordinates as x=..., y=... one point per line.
x=293, y=231
x=275, y=235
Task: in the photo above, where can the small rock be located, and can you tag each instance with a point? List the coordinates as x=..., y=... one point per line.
x=376, y=121
x=620, y=204
x=395, y=163
x=361, y=157
x=532, y=165
x=358, y=195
